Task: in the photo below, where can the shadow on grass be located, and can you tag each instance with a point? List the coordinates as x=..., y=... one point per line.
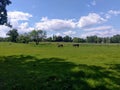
x=115, y=67
x=30, y=73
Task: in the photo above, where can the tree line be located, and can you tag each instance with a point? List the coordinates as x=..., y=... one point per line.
x=33, y=36
x=41, y=36
x=88, y=39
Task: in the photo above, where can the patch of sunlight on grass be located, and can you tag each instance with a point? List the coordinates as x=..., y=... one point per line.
x=76, y=69
x=93, y=83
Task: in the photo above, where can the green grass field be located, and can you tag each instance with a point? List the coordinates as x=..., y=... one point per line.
x=48, y=67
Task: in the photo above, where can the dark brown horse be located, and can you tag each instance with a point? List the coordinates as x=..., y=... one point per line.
x=75, y=45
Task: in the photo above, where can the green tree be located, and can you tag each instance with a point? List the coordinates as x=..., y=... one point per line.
x=49, y=39
x=82, y=40
x=99, y=40
x=37, y=36
x=115, y=39
x=79, y=40
x=92, y=39
x=57, y=38
x=24, y=38
x=67, y=39
x=76, y=39
x=54, y=38
x=3, y=11
x=13, y=35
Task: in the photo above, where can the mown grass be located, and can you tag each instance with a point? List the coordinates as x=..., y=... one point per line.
x=47, y=67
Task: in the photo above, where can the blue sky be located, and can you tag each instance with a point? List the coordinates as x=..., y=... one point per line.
x=79, y=18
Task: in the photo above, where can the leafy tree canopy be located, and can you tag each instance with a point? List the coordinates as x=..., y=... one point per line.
x=3, y=11
x=13, y=34
x=37, y=35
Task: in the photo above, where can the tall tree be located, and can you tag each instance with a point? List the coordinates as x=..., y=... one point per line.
x=57, y=38
x=37, y=36
x=13, y=34
x=92, y=39
x=67, y=39
x=76, y=39
x=49, y=39
x=24, y=38
x=3, y=11
x=115, y=39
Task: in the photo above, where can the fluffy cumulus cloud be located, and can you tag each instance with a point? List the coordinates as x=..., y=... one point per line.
x=24, y=28
x=14, y=17
x=69, y=25
x=3, y=30
x=18, y=15
x=91, y=19
x=86, y=24
x=55, y=24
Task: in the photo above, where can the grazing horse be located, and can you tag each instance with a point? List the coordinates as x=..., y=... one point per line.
x=60, y=45
x=75, y=45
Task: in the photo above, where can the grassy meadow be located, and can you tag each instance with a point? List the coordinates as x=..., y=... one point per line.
x=48, y=67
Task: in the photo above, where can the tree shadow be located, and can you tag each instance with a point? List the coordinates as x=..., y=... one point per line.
x=115, y=67
x=21, y=72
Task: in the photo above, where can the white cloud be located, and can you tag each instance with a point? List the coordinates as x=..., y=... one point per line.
x=106, y=33
x=18, y=15
x=20, y=21
x=114, y=12
x=107, y=16
x=69, y=33
x=15, y=16
x=58, y=34
x=44, y=19
x=99, y=28
x=24, y=28
x=23, y=25
x=55, y=24
x=3, y=30
x=110, y=13
x=91, y=19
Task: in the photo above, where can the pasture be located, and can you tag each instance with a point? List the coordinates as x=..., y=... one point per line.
x=48, y=67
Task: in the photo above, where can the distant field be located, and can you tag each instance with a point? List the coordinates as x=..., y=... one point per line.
x=48, y=67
